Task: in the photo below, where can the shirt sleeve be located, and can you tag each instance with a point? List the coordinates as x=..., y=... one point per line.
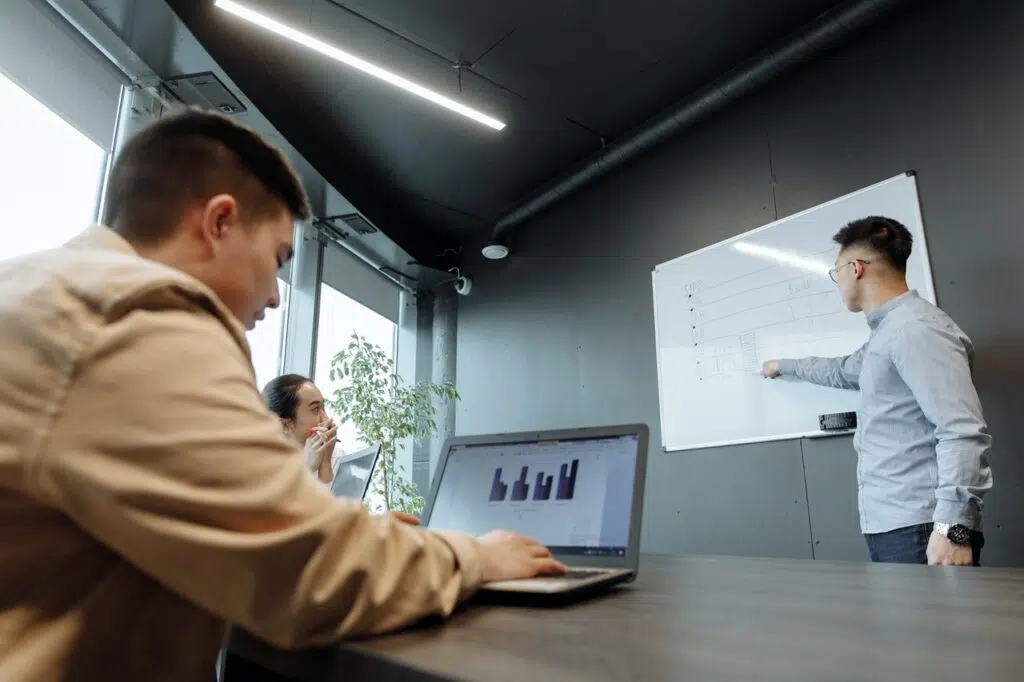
x=933, y=362
x=164, y=452
x=841, y=372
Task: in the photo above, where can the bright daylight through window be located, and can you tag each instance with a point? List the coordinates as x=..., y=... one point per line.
x=44, y=157
x=340, y=316
x=266, y=341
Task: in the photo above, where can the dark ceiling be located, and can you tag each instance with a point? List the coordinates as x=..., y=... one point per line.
x=565, y=75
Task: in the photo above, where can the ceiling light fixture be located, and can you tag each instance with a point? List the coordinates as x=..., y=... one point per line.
x=366, y=67
x=495, y=251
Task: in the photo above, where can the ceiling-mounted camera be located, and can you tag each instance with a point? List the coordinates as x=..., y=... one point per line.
x=463, y=285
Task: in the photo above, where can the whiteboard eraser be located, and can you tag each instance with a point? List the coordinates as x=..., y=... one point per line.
x=838, y=421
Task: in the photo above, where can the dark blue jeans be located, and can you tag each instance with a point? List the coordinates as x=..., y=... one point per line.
x=910, y=545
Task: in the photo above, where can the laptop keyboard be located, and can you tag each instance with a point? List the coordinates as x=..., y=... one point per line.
x=577, y=574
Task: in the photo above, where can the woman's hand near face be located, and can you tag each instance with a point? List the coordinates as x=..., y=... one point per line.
x=319, y=448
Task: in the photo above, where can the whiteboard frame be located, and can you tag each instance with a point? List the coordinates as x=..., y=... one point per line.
x=926, y=291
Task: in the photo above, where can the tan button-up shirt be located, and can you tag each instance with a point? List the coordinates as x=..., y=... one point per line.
x=147, y=498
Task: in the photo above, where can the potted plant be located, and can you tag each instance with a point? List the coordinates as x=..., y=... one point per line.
x=388, y=411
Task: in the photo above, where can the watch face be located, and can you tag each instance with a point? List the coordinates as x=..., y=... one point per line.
x=959, y=535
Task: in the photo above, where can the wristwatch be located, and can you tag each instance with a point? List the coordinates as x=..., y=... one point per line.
x=956, y=533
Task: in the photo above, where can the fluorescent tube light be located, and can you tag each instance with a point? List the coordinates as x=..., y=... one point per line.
x=366, y=67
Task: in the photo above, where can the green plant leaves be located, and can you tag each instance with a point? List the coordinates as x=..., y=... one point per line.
x=385, y=410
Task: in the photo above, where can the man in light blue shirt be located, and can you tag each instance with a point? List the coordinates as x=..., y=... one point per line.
x=921, y=438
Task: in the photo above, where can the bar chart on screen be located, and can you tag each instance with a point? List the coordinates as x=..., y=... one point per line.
x=541, y=485
x=562, y=493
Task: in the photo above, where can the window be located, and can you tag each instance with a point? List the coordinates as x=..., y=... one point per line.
x=266, y=340
x=340, y=316
x=51, y=174
x=59, y=66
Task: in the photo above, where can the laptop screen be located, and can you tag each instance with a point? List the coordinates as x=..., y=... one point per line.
x=352, y=476
x=575, y=496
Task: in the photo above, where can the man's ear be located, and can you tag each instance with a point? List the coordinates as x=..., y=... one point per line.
x=220, y=215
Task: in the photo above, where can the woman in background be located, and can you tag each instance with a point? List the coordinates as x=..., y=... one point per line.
x=299, y=405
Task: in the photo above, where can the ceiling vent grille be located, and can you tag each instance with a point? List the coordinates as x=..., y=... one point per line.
x=329, y=230
x=206, y=91
x=353, y=221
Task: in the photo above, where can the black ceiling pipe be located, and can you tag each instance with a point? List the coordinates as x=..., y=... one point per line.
x=824, y=32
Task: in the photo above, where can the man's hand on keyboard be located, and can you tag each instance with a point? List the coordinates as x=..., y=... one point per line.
x=509, y=556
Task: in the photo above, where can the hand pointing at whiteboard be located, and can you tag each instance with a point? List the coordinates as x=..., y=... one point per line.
x=770, y=369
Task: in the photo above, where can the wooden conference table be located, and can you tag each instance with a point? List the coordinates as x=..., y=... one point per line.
x=712, y=618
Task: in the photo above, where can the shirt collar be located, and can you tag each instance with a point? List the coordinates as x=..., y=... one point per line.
x=100, y=237
x=876, y=316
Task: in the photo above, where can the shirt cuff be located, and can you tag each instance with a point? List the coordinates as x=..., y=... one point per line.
x=967, y=514
x=787, y=367
x=467, y=559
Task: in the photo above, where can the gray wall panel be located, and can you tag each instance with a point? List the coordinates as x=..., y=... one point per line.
x=830, y=465
x=734, y=500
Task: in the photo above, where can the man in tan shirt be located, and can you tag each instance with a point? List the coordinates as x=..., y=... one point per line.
x=147, y=498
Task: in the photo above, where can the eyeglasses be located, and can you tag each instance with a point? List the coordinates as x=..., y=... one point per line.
x=833, y=274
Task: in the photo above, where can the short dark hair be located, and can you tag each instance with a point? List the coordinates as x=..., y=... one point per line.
x=189, y=156
x=282, y=394
x=885, y=236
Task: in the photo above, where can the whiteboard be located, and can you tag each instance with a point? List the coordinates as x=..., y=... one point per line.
x=722, y=311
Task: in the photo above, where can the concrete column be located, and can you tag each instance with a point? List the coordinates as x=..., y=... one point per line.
x=444, y=330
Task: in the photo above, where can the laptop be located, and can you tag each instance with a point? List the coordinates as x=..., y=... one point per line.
x=579, y=492
x=354, y=472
